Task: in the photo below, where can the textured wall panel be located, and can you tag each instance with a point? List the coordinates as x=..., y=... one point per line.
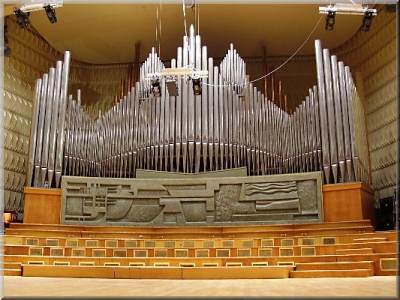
x=30, y=57
x=293, y=198
x=99, y=84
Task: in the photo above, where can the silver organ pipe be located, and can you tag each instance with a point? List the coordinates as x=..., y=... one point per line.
x=230, y=124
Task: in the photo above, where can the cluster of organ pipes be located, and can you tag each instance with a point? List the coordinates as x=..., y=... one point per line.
x=231, y=124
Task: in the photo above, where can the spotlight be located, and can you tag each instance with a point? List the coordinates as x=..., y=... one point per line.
x=22, y=17
x=196, y=86
x=51, y=13
x=155, y=87
x=172, y=86
x=330, y=20
x=348, y=9
x=367, y=20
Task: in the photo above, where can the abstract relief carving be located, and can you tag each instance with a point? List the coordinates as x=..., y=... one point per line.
x=192, y=201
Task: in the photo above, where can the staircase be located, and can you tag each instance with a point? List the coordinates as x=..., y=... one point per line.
x=339, y=249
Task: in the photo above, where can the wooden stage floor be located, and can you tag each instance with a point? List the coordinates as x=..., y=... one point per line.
x=39, y=286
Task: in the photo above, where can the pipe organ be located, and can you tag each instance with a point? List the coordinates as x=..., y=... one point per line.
x=230, y=124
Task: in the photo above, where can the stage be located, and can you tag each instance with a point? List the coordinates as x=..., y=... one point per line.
x=376, y=286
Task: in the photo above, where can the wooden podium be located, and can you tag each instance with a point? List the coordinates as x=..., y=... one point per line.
x=341, y=202
x=42, y=206
x=348, y=202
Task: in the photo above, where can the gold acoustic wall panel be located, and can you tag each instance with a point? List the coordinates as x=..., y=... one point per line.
x=100, y=84
x=372, y=57
x=30, y=57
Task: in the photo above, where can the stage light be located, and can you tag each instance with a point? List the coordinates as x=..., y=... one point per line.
x=330, y=20
x=348, y=9
x=172, y=86
x=155, y=87
x=22, y=17
x=196, y=86
x=367, y=20
x=51, y=13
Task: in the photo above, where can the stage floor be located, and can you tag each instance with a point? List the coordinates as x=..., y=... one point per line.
x=39, y=286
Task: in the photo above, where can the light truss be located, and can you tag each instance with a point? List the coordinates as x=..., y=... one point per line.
x=34, y=5
x=347, y=9
x=178, y=73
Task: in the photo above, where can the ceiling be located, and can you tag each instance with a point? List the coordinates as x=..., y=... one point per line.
x=107, y=33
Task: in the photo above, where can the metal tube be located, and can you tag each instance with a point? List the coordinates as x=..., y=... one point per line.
x=322, y=111
x=33, y=136
x=331, y=115
x=39, y=133
x=63, y=106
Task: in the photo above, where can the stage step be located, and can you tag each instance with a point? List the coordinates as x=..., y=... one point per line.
x=157, y=272
x=370, y=239
x=11, y=265
x=192, y=250
x=335, y=266
x=390, y=237
x=236, y=231
x=171, y=234
x=331, y=273
x=354, y=251
x=341, y=249
x=212, y=229
x=11, y=272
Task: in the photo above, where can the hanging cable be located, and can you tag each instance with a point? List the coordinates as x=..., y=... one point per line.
x=284, y=63
x=293, y=55
x=186, y=34
x=198, y=19
x=160, y=24
x=157, y=26
x=194, y=11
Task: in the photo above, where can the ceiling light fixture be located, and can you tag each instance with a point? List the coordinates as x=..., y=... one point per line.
x=347, y=9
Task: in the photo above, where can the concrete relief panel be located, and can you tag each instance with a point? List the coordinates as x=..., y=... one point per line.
x=192, y=201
